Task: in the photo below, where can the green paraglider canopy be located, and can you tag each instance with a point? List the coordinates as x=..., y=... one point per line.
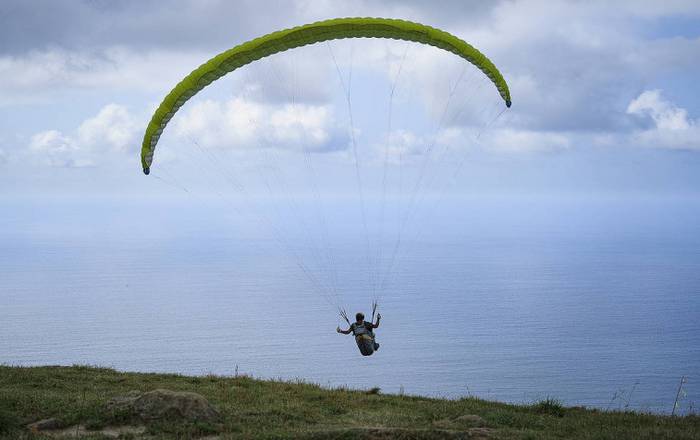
x=280, y=41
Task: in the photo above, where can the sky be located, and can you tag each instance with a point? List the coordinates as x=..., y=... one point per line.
x=605, y=96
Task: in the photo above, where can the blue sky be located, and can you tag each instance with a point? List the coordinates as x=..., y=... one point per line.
x=605, y=98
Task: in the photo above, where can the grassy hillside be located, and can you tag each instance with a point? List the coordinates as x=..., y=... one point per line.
x=265, y=409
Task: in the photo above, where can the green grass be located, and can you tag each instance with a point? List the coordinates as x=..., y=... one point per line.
x=273, y=409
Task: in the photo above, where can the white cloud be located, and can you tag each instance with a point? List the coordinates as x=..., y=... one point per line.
x=242, y=124
x=401, y=146
x=511, y=140
x=58, y=150
x=112, y=127
x=665, y=115
x=112, y=130
x=503, y=139
x=406, y=145
x=672, y=128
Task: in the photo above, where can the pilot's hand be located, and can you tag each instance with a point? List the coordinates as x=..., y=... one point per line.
x=379, y=316
x=337, y=329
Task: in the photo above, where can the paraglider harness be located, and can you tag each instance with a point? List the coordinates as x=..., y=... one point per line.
x=362, y=330
x=364, y=336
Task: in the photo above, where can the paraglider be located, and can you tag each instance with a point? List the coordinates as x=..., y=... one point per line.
x=325, y=31
x=364, y=333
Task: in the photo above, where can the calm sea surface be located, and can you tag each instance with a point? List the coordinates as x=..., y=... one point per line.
x=596, y=303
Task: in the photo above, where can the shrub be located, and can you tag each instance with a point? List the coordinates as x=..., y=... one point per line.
x=550, y=406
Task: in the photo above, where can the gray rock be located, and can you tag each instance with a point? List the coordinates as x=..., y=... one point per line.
x=166, y=405
x=44, y=425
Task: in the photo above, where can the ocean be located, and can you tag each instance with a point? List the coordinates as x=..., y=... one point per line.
x=592, y=301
